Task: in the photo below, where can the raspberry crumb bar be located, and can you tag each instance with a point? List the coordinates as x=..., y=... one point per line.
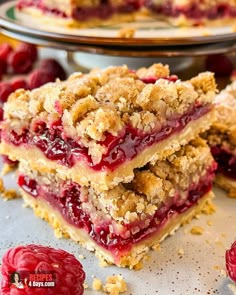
x=83, y=13
x=96, y=128
x=222, y=139
x=193, y=12
x=123, y=223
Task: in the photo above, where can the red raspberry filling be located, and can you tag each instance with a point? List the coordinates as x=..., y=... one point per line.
x=28, y=260
x=103, y=10
x=226, y=161
x=230, y=257
x=121, y=148
x=68, y=203
x=193, y=11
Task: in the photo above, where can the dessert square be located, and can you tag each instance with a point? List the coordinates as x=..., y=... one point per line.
x=97, y=128
x=193, y=12
x=84, y=13
x=123, y=223
x=222, y=139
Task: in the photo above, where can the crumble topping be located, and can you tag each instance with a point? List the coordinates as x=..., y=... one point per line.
x=137, y=201
x=223, y=131
x=90, y=106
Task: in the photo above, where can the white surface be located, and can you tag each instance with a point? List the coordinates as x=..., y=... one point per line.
x=196, y=272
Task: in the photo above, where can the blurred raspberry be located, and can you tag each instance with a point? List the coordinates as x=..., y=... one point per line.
x=230, y=257
x=53, y=67
x=5, y=91
x=19, y=83
x=20, y=62
x=219, y=64
x=31, y=50
x=3, y=67
x=1, y=113
x=6, y=160
x=5, y=50
x=68, y=271
x=38, y=78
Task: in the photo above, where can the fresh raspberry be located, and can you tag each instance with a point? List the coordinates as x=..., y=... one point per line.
x=20, y=62
x=53, y=67
x=39, y=77
x=31, y=50
x=5, y=91
x=31, y=259
x=230, y=257
x=1, y=113
x=3, y=67
x=5, y=50
x=19, y=83
x=219, y=64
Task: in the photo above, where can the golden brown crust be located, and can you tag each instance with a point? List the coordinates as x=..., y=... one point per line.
x=228, y=184
x=138, y=252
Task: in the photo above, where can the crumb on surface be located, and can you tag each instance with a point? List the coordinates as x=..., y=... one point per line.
x=181, y=252
x=197, y=230
x=81, y=256
x=126, y=32
x=97, y=284
x=7, y=169
x=209, y=208
x=85, y=286
x=11, y=194
x=209, y=222
x=2, y=188
x=115, y=285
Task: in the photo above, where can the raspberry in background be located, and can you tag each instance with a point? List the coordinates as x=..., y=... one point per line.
x=5, y=90
x=39, y=77
x=230, y=257
x=53, y=67
x=31, y=50
x=5, y=50
x=18, y=83
x=219, y=64
x=67, y=269
x=20, y=62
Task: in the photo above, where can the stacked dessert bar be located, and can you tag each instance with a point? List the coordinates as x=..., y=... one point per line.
x=113, y=157
x=100, y=12
x=222, y=139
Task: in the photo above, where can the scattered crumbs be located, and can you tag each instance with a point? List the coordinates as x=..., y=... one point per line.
x=25, y=205
x=138, y=266
x=126, y=33
x=209, y=208
x=206, y=33
x=115, y=285
x=97, y=284
x=216, y=267
x=102, y=262
x=10, y=194
x=81, y=256
x=223, y=273
x=197, y=230
x=209, y=222
x=156, y=247
x=197, y=216
x=232, y=287
x=181, y=252
x=85, y=286
x=7, y=169
x=2, y=188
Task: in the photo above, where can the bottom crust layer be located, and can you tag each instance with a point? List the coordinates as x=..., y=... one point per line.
x=228, y=184
x=139, y=251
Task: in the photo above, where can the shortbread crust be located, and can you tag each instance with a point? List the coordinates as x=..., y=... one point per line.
x=138, y=252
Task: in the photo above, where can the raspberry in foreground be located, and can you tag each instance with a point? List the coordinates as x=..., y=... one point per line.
x=22, y=263
x=230, y=257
